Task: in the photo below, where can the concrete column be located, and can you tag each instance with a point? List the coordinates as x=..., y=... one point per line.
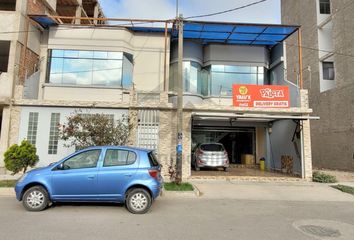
x=133, y=124
x=167, y=140
x=4, y=136
x=78, y=14
x=186, y=145
x=307, y=155
x=95, y=13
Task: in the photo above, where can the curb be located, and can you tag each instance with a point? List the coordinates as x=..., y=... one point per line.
x=7, y=192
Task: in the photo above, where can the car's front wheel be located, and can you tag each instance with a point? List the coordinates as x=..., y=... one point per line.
x=35, y=199
x=138, y=201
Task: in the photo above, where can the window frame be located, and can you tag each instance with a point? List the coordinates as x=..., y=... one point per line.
x=120, y=165
x=122, y=83
x=323, y=63
x=78, y=153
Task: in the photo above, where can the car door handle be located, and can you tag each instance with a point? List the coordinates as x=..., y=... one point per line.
x=127, y=175
x=91, y=177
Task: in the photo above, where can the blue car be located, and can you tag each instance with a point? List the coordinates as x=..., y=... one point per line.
x=96, y=174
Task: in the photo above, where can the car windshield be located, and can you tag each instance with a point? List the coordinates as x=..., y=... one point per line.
x=212, y=147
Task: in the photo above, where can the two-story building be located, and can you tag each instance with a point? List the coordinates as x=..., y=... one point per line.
x=131, y=69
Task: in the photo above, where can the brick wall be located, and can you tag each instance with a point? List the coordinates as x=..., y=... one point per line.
x=35, y=7
x=28, y=63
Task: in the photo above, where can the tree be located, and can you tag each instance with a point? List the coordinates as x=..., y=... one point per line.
x=21, y=157
x=85, y=130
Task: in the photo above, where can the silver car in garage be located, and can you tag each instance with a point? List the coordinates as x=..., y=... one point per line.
x=212, y=155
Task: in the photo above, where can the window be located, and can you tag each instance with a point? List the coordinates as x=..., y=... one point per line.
x=54, y=133
x=328, y=70
x=224, y=76
x=325, y=7
x=116, y=157
x=192, y=78
x=214, y=80
x=4, y=55
x=32, y=127
x=8, y=5
x=87, y=159
x=90, y=68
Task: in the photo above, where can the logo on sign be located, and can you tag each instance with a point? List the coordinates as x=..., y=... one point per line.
x=243, y=90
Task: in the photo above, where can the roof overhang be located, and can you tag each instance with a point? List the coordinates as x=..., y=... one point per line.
x=249, y=117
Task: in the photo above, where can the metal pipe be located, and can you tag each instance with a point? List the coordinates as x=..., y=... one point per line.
x=165, y=86
x=299, y=39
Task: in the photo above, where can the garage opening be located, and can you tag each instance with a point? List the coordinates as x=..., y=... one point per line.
x=255, y=147
x=238, y=142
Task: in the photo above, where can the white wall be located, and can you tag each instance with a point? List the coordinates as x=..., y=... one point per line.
x=44, y=117
x=8, y=24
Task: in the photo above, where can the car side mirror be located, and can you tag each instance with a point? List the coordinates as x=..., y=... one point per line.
x=60, y=166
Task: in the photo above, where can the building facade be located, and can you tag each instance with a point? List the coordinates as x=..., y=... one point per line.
x=132, y=71
x=327, y=60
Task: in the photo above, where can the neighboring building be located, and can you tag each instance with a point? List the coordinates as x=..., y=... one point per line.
x=20, y=47
x=328, y=60
x=132, y=71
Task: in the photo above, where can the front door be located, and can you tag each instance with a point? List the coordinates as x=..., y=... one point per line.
x=77, y=179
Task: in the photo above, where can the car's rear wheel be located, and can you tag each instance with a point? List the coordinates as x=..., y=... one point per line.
x=138, y=201
x=226, y=169
x=35, y=199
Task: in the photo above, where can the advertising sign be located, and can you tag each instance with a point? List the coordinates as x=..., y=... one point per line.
x=260, y=96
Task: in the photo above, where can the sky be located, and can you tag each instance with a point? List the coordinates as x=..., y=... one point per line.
x=265, y=12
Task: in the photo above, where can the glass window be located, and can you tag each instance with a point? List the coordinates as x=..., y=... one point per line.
x=116, y=157
x=53, y=133
x=325, y=7
x=32, y=127
x=97, y=68
x=87, y=159
x=224, y=76
x=328, y=70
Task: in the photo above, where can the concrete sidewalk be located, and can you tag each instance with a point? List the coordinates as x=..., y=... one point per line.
x=301, y=191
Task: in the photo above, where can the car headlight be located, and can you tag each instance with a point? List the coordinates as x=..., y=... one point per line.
x=22, y=178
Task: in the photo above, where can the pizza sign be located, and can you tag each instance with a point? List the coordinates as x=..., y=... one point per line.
x=261, y=96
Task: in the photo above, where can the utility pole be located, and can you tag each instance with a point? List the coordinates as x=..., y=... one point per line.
x=179, y=101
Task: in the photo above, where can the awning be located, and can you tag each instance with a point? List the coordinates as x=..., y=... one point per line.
x=249, y=117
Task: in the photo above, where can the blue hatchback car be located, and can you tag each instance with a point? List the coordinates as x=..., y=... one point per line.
x=96, y=174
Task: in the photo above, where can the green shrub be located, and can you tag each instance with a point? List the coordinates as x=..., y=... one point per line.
x=343, y=188
x=323, y=177
x=19, y=158
x=172, y=186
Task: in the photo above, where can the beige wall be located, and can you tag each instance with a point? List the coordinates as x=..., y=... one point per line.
x=84, y=94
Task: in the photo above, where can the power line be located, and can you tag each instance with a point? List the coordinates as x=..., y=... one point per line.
x=226, y=11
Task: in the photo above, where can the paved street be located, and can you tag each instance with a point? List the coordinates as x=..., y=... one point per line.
x=207, y=217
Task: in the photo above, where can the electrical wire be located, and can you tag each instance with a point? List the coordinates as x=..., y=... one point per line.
x=226, y=11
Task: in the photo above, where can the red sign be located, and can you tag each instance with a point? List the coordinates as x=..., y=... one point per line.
x=260, y=96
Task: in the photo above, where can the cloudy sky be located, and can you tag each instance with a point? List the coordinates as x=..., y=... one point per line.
x=265, y=12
